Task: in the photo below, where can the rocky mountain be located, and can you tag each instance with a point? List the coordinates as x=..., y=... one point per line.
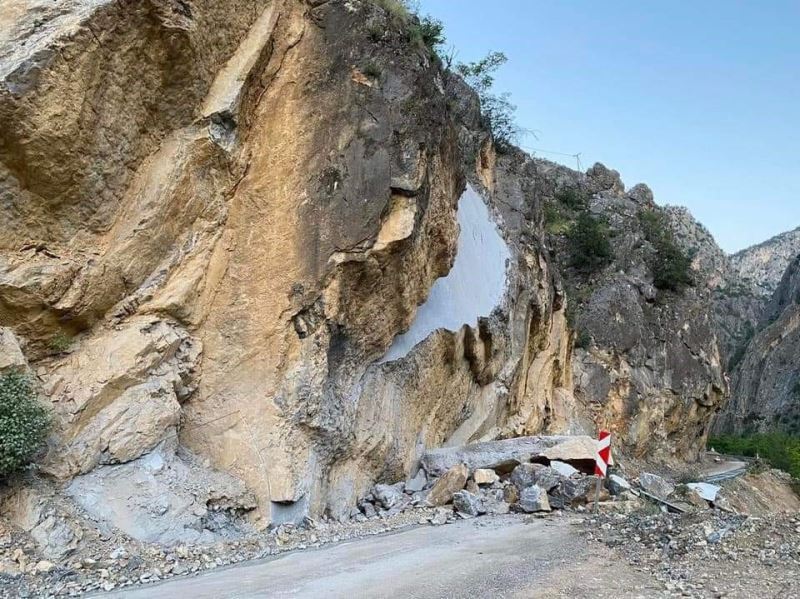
x=762, y=266
x=647, y=363
x=263, y=255
x=766, y=382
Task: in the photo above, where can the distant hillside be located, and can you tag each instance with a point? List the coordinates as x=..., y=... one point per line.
x=763, y=266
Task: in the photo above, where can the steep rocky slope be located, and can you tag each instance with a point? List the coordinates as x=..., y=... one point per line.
x=233, y=255
x=648, y=365
x=762, y=266
x=766, y=389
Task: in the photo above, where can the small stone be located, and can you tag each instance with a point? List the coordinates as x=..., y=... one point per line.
x=417, y=483
x=44, y=566
x=511, y=494
x=563, y=468
x=485, y=476
x=440, y=517
x=369, y=510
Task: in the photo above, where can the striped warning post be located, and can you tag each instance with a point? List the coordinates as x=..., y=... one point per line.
x=603, y=456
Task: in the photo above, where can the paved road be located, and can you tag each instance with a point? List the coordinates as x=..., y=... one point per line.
x=502, y=557
x=727, y=469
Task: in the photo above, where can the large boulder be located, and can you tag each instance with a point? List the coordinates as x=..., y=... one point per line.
x=534, y=499
x=468, y=503
x=508, y=453
x=449, y=484
x=656, y=485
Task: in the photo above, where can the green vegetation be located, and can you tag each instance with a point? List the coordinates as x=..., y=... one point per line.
x=428, y=32
x=398, y=9
x=555, y=221
x=23, y=423
x=583, y=340
x=425, y=31
x=779, y=449
x=497, y=109
x=590, y=243
x=372, y=70
x=672, y=268
x=573, y=198
x=60, y=343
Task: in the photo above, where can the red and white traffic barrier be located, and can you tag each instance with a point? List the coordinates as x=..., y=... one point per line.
x=603, y=456
x=602, y=459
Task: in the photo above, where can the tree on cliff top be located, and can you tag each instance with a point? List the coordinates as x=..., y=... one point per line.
x=496, y=108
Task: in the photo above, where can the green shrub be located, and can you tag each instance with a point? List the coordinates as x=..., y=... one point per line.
x=498, y=110
x=779, y=449
x=574, y=199
x=60, y=343
x=372, y=70
x=429, y=32
x=583, y=340
x=555, y=221
x=23, y=423
x=590, y=243
x=671, y=267
x=398, y=9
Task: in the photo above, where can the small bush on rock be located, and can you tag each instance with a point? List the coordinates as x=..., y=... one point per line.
x=497, y=109
x=574, y=199
x=23, y=423
x=590, y=243
x=671, y=267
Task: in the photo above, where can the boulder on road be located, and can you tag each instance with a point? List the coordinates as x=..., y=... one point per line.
x=417, y=483
x=485, y=476
x=388, y=495
x=467, y=503
x=563, y=468
x=524, y=475
x=617, y=485
x=534, y=499
x=656, y=485
x=507, y=453
x=448, y=485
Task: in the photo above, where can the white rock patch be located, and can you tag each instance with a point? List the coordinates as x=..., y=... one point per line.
x=473, y=287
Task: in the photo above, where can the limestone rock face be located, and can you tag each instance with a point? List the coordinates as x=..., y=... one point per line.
x=762, y=266
x=647, y=365
x=766, y=382
x=240, y=215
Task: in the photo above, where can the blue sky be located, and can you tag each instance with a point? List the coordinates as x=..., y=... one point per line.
x=700, y=100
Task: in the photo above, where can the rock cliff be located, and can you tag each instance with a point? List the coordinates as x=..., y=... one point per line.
x=766, y=382
x=647, y=363
x=265, y=254
x=762, y=266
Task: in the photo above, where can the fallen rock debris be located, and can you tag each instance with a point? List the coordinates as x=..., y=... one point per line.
x=519, y=481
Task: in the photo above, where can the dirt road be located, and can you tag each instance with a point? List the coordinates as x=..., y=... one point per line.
x=512, y=557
